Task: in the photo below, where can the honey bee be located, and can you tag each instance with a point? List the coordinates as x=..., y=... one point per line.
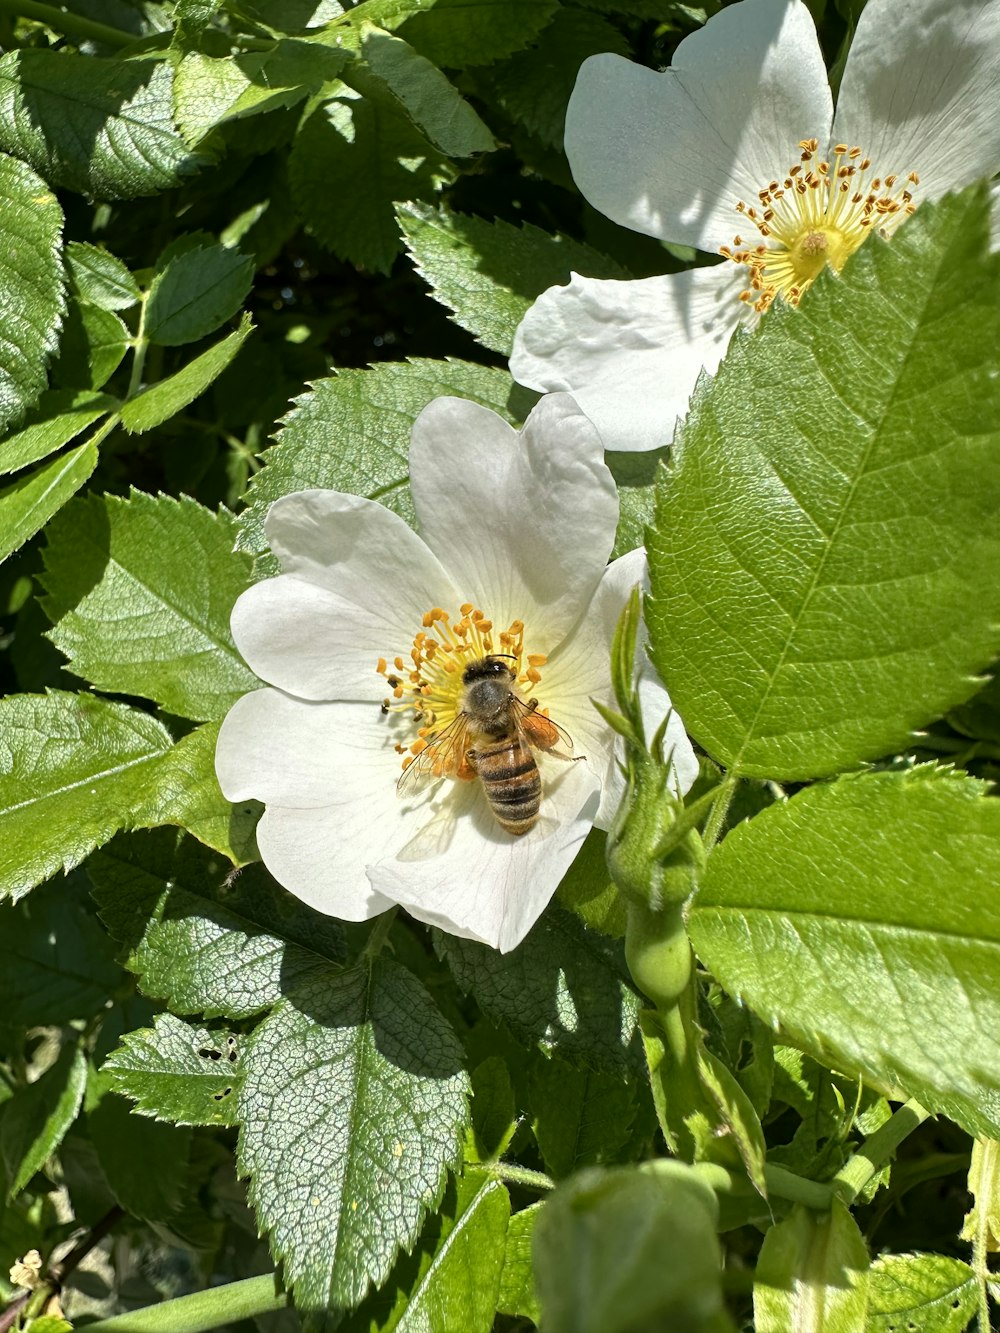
x=492, y=739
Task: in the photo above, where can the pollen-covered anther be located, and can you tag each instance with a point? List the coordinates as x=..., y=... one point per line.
x=432, y=690
x=818, y=217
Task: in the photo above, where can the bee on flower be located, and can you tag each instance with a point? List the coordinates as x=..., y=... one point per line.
x=736, y=150
x=426, y=734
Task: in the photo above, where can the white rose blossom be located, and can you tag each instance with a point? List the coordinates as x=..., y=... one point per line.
x=364, y=635
x=736, y=149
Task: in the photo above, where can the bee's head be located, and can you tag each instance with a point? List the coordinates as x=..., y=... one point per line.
x=495, y=667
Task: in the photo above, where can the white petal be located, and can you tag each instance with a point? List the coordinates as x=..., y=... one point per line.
x=328, y=773
x=358, y=581
x=582, y=671
x=313, y=853
x=276, y=748
x=484, y=884
x=523, y=523
x=630, y=352
x=920, y=91
x=671, y=154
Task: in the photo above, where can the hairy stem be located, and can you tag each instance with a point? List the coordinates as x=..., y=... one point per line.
x=520, y=1175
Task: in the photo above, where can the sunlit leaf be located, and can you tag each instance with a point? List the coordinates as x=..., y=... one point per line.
x=167, y=568
x=824, y=586
x=102, y=127
x=31, y=285
x=177, y=1072
x=352, y=1111
x=846, y=885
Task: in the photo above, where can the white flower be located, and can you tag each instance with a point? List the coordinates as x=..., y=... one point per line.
x=515, y=533
x=715, y=153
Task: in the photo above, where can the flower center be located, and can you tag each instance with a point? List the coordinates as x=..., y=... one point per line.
x=430, y=685
x=819, y=214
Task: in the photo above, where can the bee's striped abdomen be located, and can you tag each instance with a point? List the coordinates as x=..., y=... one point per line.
x=511, y=781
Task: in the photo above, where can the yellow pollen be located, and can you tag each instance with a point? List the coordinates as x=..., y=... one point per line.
x=817, y=215
x=431, y=691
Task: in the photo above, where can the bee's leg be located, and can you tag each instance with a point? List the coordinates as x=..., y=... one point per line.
x=467, y=770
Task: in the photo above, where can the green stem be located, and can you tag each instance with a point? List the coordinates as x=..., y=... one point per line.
x=201, y=1310
x=869, y=1159
x=781, y=1184
x=713, y=826
x=520, y=1175
x=140, y=346
x=70, y=25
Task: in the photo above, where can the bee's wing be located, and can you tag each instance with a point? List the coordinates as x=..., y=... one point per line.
x=540, y=731
x=442, y=757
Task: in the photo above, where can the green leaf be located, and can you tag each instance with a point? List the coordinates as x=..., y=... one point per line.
x=37, y=1117
x=370, y=148
x=848, y=884
x=31, y=285
x=293, y=15
x=434, y=105
x=517, y=1281
x=822, y=565
x=369, y=414
x=580, y=1117
x=175, y=1071
x=28, y=503
x=929, y=1292
x=75, y=770
x=209, y=92
x=812, y=1273
x=564, y=988
x=195, y=292
x=201, y=938
x=188, y=795
x=980, y=717
x=100, y=127
x=193, y=17
x=58, y=963
x=165, y=566
x=93, y=344
x=353, y=1108
x=488, y=273
x=618, y=1251
x=534, y=86
x=456, y=1267
x=145, y=1162
x=458, y=33
x=163, y=400
x=494, y=1118
x=100, y=277
x=60, y=416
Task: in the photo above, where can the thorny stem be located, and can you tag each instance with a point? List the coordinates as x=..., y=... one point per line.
x=70, y=25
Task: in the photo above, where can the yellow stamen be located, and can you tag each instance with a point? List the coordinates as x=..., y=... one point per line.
x=431, y=689
x=818, y=215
